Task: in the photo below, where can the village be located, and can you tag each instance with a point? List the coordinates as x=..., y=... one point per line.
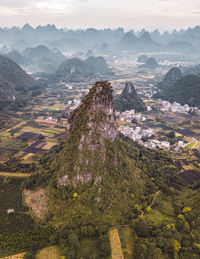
x=135, y=126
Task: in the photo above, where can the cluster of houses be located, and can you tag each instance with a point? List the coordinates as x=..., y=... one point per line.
x=146, y=136
x=137, y=133
x=74, y=103
x=156, y=144
x=176, y=107
x=130, y=115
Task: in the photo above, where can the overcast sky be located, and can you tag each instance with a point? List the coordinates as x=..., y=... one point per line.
x=130, y=14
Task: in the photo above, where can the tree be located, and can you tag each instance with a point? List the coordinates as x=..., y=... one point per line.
x=186, y=227
x=73, y=240
x=29, y=255
x=176, y=245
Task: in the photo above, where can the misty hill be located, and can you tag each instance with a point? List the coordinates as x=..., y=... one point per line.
x=89, y=54
x=147, y=44
x=43, y=58
x=142, y=59
x=105, y=49
x=76, y=70
x=17, y=57
x=148, y=62
x=143, y=43
x=151, y=63
x=128, y=42
x=15, y=83
x=12, y=73
x=66, y=44
x=181, y=46
x=184, y=91
x=129, y=100
x=90, y=36
x=173, y=75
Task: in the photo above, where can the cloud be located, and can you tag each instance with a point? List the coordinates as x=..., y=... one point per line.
x=52, y=6
x=100, y=13
x=22, y=7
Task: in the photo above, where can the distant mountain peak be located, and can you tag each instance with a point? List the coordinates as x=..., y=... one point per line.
x=129, y=37
x=27, y=27
x=145, y=36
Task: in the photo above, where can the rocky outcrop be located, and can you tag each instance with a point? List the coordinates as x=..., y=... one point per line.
x=97, y=175
x=93, y=123
x=129, y=100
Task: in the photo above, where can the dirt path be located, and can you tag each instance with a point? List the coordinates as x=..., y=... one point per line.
x=154, y=198
x=152, y=203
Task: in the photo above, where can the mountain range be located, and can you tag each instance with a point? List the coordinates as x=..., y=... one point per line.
x=72, y=40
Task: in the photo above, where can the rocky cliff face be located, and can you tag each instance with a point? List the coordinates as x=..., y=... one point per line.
x=93, y=123
x=129, y=100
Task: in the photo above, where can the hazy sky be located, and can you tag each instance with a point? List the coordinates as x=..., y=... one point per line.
x=150, y=14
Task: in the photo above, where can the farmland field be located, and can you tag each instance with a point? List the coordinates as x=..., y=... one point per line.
x=128, y=240
x=51, y=252
x=116, y=249
x=192, y=145
x=17, y=175
x=17, y=256
x=88, y=247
